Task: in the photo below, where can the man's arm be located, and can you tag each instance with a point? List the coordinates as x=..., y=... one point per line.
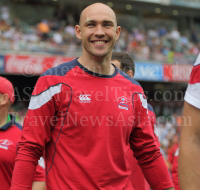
x=38, y=124
x=189, y=167
x=146, y=149
x=39, y=178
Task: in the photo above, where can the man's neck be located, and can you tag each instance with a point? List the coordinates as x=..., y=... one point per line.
x=97, y=65
x=3, y=117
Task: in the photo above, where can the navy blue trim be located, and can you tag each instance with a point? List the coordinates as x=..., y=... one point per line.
x=47, y=171
x=10, y=123
x=139, y=93
x=18, y=126
x=62, y=69
x=7, y=126
x=128, y=78
x=150, y=108
x=97, y=74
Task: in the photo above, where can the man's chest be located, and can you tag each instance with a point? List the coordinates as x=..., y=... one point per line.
x=98, y=107
x=7, y=148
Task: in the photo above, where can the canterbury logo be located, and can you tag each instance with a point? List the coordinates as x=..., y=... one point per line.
x=85, y=98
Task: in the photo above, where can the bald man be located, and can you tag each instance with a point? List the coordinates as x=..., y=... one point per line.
x=86, y=114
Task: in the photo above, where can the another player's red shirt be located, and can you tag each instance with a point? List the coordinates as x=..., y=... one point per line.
x=175, y=171
x=171, y=153
x=193, y=90
x=153, y=121
x=10, y=135
x=137, y=177
x=87, y=123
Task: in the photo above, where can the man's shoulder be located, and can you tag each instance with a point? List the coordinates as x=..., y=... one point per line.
x=17, y=125
x=15, y=130
x=195, y=74
x=62, y=69
x=128, y=78
x=150, y=108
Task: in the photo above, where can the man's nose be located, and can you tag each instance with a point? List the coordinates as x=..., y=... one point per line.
x=99, y=31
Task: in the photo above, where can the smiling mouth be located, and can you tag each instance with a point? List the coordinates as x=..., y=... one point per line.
x=99, y=42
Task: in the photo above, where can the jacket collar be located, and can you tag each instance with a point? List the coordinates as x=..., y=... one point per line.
x=9, y=124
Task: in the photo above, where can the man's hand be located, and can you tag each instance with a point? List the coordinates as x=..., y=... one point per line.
x=39, y=185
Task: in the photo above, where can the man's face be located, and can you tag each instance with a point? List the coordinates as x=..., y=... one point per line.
x=98, y=31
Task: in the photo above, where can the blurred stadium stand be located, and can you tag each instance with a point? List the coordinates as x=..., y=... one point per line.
x=162, y=32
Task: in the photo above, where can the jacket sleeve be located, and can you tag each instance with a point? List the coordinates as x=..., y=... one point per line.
x=36, y=133
x=145, y=147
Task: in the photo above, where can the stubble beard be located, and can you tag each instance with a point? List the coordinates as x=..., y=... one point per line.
x=90, y=51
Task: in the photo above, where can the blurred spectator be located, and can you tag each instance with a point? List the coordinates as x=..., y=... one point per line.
x=144, y=44
x=162, y=31
x=3, y=26
x=44, y=29
x=194, y=35
x=57, y=37
x=5, y=13
x=54, y=24
x=152, y=33
x=69, y=29
x=184, y=41
x=175, y=34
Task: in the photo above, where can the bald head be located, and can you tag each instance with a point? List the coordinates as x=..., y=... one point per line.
x=95, y=9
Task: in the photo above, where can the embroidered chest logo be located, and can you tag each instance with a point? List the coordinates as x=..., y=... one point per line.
x=85, y=98
x=123, y=103
x=4, y=143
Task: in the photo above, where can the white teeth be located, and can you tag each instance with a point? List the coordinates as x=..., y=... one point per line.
x=99, y=42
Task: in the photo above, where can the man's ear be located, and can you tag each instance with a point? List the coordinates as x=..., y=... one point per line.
x=118, y=30
x=4, y=99
x=130, y=73
x=78, y=31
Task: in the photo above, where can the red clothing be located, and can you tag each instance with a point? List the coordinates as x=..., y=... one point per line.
x=10, y=135
x=171, y=152
x=153, y=121
x=193, y=89
x=137, y=177
x=175, y=171
x=87, y=122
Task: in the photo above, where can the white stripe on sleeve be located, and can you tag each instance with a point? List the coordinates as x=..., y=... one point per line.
x=192, y=95
x=41, y=99
x=143, y=101
x=197, y=62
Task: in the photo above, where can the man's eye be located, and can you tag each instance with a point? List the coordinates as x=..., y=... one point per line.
x=107, y=24
x=91, y=24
